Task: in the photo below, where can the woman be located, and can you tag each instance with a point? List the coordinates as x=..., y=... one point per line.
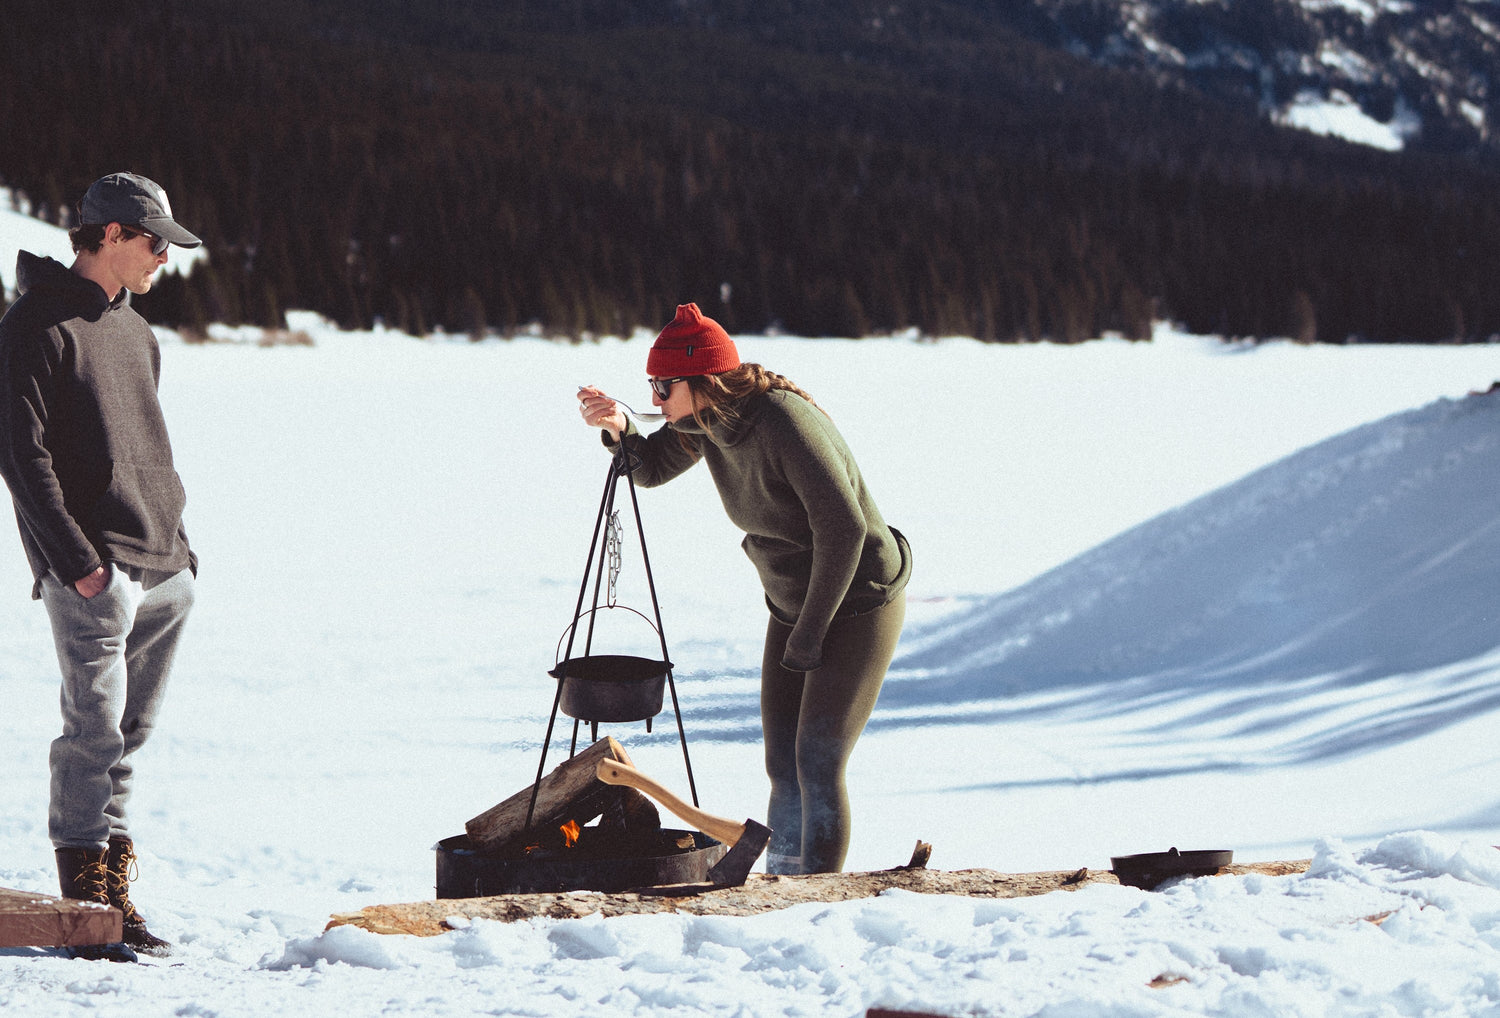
x=834, y=573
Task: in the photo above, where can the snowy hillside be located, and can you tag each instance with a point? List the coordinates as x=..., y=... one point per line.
x=1335, y=610
x=1366, y=557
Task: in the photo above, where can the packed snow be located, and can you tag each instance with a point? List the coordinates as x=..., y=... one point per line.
x=1176, y=593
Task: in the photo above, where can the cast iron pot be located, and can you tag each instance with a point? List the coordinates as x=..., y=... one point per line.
x=611, y=687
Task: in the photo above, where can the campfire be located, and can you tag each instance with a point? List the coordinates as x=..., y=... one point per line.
x=564, y=849
x=568, y=832
x=584, y=835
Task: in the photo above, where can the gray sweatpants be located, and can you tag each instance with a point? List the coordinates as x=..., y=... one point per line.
x=115, y=650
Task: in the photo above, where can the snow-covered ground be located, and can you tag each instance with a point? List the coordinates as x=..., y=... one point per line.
x=1171, y=593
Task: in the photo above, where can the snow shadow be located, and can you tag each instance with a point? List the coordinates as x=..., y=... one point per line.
x=1292, y=592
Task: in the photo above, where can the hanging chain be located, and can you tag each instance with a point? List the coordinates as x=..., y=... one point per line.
x=612, y=539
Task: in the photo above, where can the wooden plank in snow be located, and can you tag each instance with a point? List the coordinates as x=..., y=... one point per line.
x=28, y=919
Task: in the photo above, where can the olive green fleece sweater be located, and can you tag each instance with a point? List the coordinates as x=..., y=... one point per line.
x=812, y=530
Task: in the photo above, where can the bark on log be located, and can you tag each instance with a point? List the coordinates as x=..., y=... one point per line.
x=41, y=920
x=571, y=792
x=760, y=893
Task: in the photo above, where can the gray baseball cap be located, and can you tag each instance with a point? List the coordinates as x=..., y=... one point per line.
x=131, y=200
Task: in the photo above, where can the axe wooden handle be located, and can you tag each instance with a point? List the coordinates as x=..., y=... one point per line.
x=612, y=772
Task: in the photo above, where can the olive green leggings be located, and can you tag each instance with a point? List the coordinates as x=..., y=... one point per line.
x=811, y=721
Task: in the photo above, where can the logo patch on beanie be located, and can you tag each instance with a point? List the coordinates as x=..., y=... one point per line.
x=690, y=351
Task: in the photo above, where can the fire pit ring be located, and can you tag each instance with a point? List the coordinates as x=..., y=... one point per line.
x=611, y=687
x=464, y=872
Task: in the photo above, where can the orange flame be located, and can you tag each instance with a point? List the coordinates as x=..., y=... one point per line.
x=570, y=833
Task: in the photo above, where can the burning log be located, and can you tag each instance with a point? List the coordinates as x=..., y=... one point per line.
x=629, y=825
x=630, y=820
x=571, y=793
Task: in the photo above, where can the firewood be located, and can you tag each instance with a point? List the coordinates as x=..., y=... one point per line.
x=571, y=792
x=630, y=812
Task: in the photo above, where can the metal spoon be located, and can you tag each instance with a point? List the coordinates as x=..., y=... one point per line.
x=643, y=418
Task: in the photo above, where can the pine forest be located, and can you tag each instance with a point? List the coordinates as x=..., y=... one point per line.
x=843, y=169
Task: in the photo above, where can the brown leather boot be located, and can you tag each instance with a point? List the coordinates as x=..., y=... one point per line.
x=83, y=875
x=119, y=867
x=81, y=872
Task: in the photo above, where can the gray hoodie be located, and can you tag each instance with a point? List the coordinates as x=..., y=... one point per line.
x=83, y=444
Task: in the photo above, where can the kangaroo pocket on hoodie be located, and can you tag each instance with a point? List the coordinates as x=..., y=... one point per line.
x=141, y=508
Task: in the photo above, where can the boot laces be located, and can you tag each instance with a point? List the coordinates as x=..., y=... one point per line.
x=93, y=880
x=119, y=875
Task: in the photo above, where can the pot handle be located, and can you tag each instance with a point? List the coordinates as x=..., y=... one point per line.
x=557, y=653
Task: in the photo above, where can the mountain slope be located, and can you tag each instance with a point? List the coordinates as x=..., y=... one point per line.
x=1367, y=560
x=1423, y=68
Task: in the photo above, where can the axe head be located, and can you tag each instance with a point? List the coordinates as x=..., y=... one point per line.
x=734, y=867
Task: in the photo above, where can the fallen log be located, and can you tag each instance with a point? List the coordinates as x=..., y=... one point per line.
x=28, y=919
x=760, y=893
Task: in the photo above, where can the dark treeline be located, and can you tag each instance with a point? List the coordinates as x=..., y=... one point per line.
x=481, y=165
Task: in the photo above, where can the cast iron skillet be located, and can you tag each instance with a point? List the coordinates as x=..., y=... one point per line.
x=1151, y=868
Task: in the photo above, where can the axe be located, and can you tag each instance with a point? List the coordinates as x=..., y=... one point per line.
x=747, y=840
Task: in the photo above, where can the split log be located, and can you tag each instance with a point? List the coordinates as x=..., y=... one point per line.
x=571, y=792
x=631, y=821
x=42, y=920
x=760, y=893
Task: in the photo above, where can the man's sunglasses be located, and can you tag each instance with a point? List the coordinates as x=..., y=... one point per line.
x=663, y=386
x=158, y=244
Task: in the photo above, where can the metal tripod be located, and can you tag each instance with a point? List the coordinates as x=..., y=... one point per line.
x=621, y=465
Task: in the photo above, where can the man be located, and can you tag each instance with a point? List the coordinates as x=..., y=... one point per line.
x=84, y=451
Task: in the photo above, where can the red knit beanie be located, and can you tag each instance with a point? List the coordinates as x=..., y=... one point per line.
x=691, y=345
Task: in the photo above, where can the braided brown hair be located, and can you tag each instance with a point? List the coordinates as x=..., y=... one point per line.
x=717, y=398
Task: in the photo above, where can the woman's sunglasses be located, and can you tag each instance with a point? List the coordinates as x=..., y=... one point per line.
x=663, y=386
x=158, y=244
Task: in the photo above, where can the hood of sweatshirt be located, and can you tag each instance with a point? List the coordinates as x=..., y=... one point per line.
x=51, y=277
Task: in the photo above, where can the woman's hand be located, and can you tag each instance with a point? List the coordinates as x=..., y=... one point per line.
x=599, y=411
